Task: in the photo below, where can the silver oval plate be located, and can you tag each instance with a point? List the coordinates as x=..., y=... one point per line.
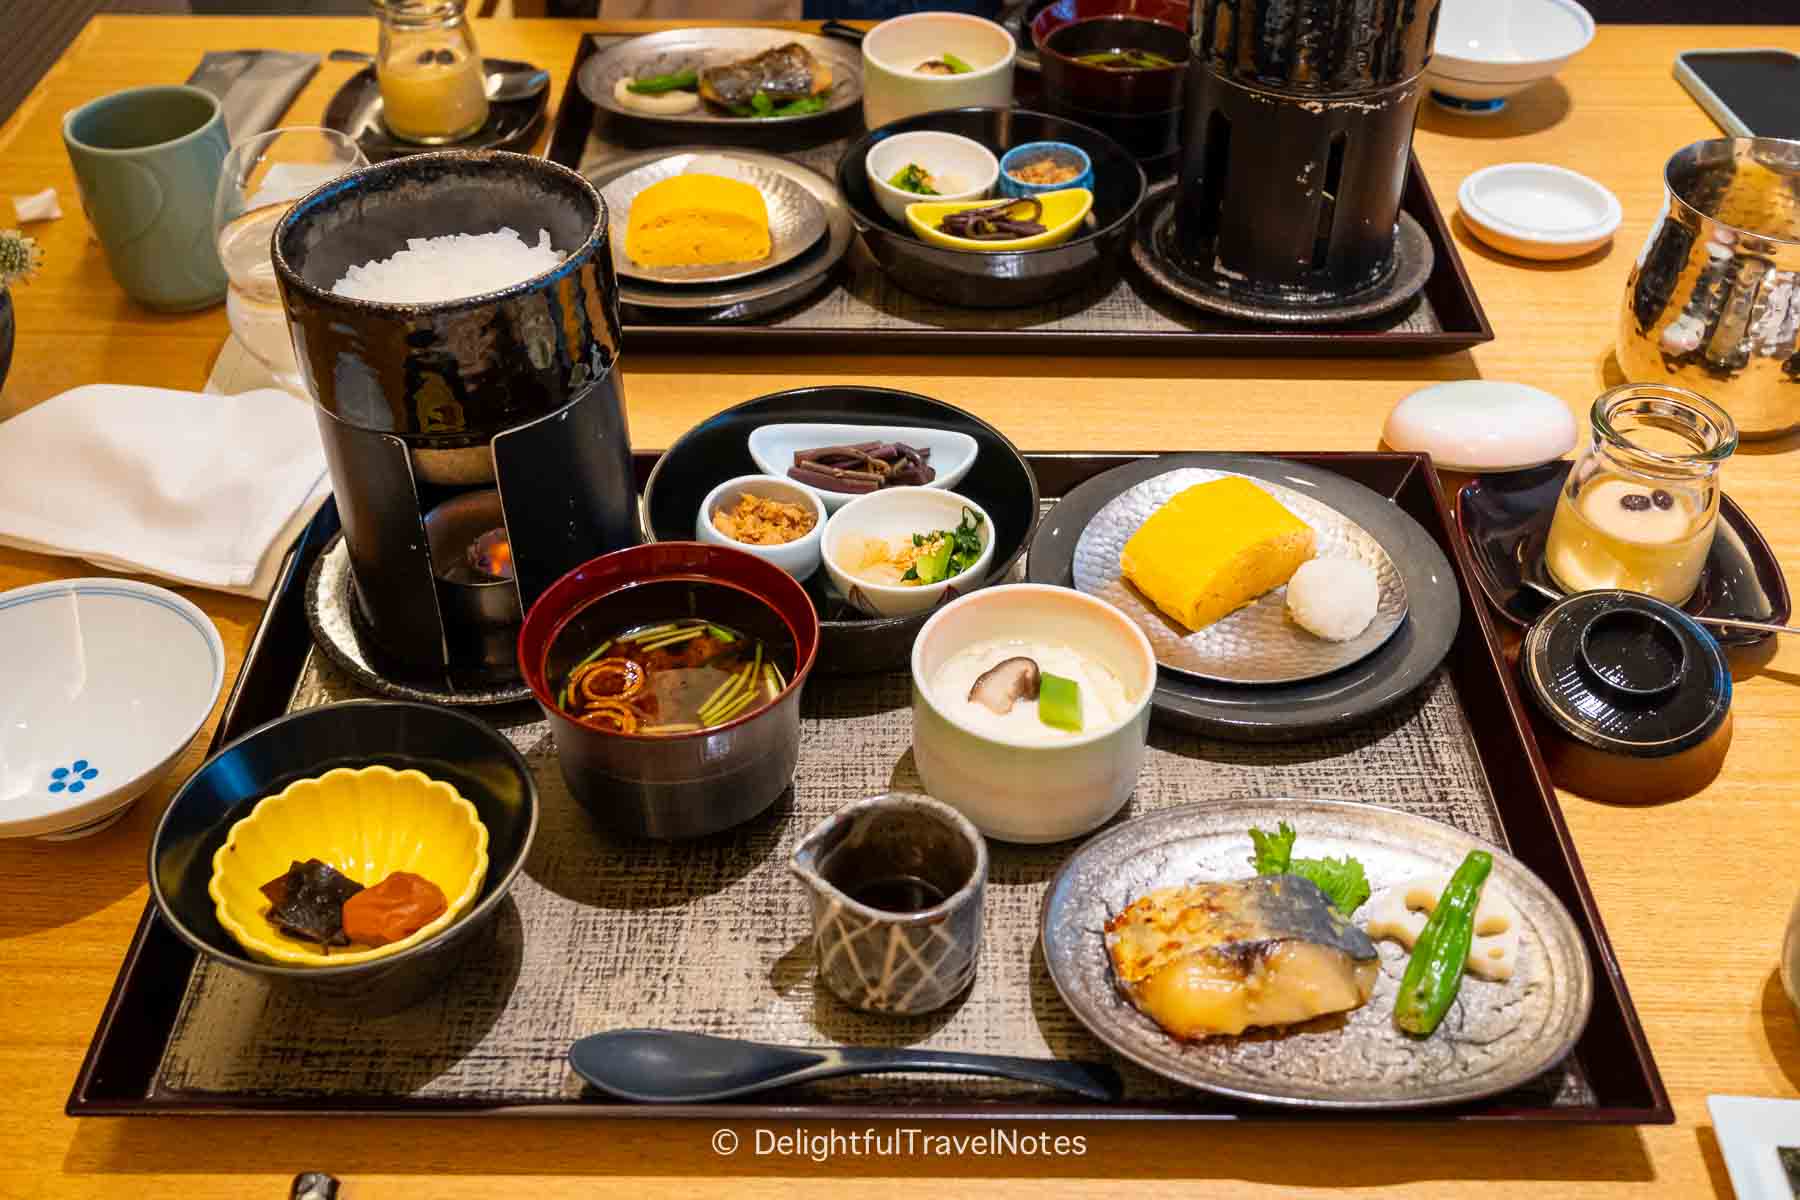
x=695, y=49
x=1258, y=643
x=796, y=218
x=1497, y=1036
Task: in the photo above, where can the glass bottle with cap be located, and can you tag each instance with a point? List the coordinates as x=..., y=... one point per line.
x=1641, y=503
x=433, y=87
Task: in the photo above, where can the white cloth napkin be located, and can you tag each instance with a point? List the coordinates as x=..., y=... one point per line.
x=199, y=488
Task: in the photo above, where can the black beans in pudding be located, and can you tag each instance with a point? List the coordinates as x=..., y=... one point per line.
x=1662, y=499
x=1634, y=502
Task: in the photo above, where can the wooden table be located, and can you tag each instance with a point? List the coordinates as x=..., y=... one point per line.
x=1695, y=894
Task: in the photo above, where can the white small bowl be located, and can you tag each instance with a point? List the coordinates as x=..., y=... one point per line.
x=800, y=557
x=773, y=446
x=892, y=89
x=894, y=515
x=1486, y=50
x=107, y=681
x=1539, y=211
x=1032, y=792
x=946, y=155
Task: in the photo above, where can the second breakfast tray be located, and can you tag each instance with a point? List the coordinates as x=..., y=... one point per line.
x=860, y=311
x=713, y=936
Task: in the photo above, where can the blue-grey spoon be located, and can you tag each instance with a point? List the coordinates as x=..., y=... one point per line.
x=663, y=1066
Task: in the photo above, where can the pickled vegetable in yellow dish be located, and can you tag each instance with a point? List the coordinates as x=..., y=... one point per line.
x=1213, y=548
x=697, y=220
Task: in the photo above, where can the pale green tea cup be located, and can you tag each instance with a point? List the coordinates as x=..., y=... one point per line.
x=147, y=161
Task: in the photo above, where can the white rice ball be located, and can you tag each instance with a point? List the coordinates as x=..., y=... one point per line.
x=1333, y=598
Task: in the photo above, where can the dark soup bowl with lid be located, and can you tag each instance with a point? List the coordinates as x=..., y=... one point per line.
x=1116, y=56
x=671, y=674
x=1630, y=696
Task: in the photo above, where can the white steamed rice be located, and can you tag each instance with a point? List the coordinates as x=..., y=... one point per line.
x=1333, y=598
x=431, y=270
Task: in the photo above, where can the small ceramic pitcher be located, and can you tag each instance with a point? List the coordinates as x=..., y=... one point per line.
x=897, y=885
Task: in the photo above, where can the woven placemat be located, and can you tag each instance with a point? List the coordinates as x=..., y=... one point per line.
x=714, y=935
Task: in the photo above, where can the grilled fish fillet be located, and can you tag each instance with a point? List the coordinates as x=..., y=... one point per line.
x=1206, y=959
x=787, y=72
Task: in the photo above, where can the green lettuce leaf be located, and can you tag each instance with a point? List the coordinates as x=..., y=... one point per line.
x=1341, y=879
x=1273, y=850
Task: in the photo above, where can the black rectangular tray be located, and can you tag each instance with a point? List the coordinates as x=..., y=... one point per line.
x=118, y=1073
x=1462, y=323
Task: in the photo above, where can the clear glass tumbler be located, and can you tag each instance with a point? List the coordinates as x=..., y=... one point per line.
x=1641, y=503
x=433, y=87
x=261, y=179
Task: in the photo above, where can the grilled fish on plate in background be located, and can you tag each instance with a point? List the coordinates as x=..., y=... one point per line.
x=786, y=72
x=1210, y=959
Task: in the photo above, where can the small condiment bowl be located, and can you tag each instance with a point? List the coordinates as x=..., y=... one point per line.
x=1065, y=31
x=1487, y=50
x=1032, y=792
x=891, y=52
x=1538, y=211
x=1063, y=213
x=367, y=823
x=106, y=683
x=894, y=515
x=800, y=557
x=773, y=447
x=947, y=156
x=1030, y=152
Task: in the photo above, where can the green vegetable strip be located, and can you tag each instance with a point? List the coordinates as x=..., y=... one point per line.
x=956, y=64
x=736, y=684
x=672, y=639
x=641, y=634
x=717, y=692
x=772, y=679
x=677, y=81
x=676, y=727
x=780, y=679
x=724, y=635
x=603, y=648
x=1434, y=973
x=737, y=706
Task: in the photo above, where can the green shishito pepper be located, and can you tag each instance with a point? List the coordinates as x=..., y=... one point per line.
x=1435, y=971
x=761, y=106
x=679, y=81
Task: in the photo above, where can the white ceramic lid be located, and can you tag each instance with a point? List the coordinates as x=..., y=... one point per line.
x=1482, y=425
x=1538, y=204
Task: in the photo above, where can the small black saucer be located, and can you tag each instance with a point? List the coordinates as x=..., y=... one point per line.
x=1505, y=518
x=511, y=124
x=1153, y=249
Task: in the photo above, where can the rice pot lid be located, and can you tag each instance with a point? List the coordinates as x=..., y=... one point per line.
x=1626, y=674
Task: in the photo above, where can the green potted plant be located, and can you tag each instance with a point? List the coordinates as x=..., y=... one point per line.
x=19, y=259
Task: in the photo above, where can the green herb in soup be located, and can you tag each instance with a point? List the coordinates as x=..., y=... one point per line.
x=674, y=677
x=1126, y=59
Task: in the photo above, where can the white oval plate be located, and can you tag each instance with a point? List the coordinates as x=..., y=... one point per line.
x=1539, y=211
x=773, y=447
x=107, y=681
x=796, y=218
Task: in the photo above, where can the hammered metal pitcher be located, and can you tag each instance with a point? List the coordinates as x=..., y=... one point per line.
x=1713, y=303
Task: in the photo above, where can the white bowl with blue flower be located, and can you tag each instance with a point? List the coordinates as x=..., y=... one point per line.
x=107, y=682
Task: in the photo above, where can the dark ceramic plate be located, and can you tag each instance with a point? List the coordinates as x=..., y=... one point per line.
x=1000, y=278
x=1314, y=707
x=511, y=125
x=480, y=763
x=718, y=449
x=1506, y=521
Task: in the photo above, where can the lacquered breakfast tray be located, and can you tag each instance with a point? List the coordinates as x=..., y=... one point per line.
x=712, y=935
x=859, y=311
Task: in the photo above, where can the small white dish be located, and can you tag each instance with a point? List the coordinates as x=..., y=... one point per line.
x=800, y=557
x=1487, y=50
x=1752, y=1133
x=968, y=168
x=892, y=51
x=1032, y=792
x=893, y=515
x=1539, y=211
x=107, y=681
x=1478, y=425
x=772, y=447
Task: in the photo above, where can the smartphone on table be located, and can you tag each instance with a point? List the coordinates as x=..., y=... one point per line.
x=1754, y=92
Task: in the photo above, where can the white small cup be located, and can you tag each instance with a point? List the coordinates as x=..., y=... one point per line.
x=894, y=514
x=945, y=155
x=891, y=51
x=800, y=557
x=1038, y=792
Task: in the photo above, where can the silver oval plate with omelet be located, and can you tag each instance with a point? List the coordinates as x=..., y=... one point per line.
x=1497, y=1035
x=1259, y=643
x=796, y=218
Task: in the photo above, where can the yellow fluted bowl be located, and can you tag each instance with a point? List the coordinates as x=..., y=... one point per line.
x=1062, y=215
x=367, y=823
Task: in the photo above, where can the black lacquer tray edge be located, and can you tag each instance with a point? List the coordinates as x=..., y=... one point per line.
x=121, y=1061
x=1449, y=289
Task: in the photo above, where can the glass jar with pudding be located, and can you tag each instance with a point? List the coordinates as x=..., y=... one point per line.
x=433, y=86
x=1641, y=503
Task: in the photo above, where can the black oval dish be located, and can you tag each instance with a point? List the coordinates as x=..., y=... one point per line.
x=1291, y=711
x=1000, y=278
x=511, y=124
x=471, y=757
x=1505, y=518
x=718, y=449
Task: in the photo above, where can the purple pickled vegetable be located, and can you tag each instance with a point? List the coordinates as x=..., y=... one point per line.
x=864, y=467
x=996, y=222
